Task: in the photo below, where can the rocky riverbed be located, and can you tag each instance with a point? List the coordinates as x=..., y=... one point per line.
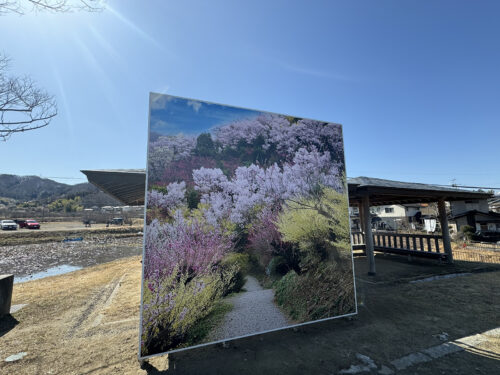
x=32, y=260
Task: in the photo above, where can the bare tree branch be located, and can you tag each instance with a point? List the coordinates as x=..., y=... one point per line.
x=9, y=6
x=23, y=106
x=55, y=6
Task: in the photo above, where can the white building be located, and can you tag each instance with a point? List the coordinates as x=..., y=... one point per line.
x=396, y=216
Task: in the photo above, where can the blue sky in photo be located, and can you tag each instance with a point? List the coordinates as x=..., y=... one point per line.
x=415, y=84
x=173, y=115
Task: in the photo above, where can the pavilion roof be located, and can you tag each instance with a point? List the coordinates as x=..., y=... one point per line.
x=386, y=192
x=128, y=186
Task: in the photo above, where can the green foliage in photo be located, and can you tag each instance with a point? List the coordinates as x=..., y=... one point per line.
x=319, y=225
x=236, y=266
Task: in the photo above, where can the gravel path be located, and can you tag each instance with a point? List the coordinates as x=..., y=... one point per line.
x=253, y=311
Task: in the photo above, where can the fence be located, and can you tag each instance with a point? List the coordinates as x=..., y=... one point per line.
x=427, y=245
x=477, y=252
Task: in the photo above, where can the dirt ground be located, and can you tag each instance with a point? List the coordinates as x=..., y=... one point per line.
x=59, y=231
x=86, y=322
x=56, y=225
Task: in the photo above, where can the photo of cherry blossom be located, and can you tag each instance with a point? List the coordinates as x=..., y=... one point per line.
x=247, y=226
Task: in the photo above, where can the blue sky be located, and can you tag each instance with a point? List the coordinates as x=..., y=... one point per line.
x=170, y=115
x=415, y=84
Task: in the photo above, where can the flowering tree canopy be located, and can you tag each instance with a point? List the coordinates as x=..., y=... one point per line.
x=281, y=134
x=188, y=246
x=254, y=185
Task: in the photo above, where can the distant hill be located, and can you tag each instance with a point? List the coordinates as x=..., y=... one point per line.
x=34, y=188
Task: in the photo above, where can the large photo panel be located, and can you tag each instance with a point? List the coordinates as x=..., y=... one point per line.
x=247, y=225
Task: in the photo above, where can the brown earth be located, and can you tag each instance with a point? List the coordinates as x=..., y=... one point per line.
x=52, y=232
x=86, y=322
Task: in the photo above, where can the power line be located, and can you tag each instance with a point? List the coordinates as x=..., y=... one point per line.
x=471, y=187
x=462, y=186
x=63, y=178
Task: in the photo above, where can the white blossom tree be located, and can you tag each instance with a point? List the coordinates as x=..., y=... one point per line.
x=254, y=185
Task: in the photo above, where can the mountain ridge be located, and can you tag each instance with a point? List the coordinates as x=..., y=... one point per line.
x=45, y=190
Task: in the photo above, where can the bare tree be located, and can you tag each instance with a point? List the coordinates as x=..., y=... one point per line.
x=23, y=106
x=57, y=6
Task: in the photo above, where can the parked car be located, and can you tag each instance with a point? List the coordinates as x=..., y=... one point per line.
x=21, y=223
x=28, y=224
x=116, y=221
x=486, y=236
x=8, y=224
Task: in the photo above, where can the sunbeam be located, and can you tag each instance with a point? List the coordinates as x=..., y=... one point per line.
x=106, y=83
x=104, y=44
x=133, y=26
x=67, y=109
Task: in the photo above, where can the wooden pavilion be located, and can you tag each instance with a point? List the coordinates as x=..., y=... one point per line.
x=128, y=186
x=365, y=192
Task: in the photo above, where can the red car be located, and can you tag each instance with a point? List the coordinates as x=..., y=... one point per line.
x=29, y=224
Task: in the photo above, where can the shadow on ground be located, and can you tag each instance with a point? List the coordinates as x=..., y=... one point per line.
x=7, y=322
x=86, y=322
x=395, y=318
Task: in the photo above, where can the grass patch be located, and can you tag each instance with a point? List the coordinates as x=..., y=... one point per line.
x=203, y=327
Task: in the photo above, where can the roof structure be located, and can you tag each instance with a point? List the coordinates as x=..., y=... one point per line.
x=128, y=186
x=494, y=203
x=482, y=216
x=386, y=192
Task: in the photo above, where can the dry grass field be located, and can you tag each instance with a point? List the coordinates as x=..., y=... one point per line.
x=484, y=253
x=86, y=322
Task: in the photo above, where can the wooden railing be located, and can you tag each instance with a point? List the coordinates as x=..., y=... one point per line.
x=427, y=245
x=406, y=241
x=357, y=240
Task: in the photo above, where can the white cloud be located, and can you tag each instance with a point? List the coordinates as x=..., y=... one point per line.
x=195, y=104
x=160, y=124
x=158, y=101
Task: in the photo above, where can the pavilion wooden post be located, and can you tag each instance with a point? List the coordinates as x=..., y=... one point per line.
x=443, y=219
x=365, y=205
x=361, y=218
x=362, y=225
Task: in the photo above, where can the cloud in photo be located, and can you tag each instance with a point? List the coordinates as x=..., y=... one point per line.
x=195, y=104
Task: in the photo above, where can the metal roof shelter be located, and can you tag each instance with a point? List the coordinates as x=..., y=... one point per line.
x=128, y=186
